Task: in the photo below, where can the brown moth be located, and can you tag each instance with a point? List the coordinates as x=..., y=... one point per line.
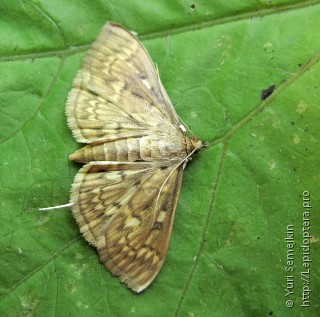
x=124, y=198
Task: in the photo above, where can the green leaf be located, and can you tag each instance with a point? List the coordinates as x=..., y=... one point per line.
x=240, y=197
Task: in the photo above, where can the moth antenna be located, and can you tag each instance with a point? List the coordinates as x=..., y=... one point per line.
x=57, y=207
x=167, y=178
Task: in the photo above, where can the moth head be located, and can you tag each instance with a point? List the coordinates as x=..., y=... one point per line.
x=194, y=144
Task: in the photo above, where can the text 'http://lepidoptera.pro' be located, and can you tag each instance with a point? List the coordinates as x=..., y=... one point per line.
x=125, y=196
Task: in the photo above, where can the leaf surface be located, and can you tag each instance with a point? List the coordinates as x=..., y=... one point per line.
x=228, y=252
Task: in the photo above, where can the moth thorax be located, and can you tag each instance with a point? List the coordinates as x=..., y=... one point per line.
x=193, y=143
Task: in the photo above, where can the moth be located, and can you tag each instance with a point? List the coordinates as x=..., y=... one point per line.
x=124, y=198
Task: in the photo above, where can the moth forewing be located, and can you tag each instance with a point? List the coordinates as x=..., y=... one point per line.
x=124, y=198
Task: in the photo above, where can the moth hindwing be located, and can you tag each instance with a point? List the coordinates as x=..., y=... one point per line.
x=125, y=196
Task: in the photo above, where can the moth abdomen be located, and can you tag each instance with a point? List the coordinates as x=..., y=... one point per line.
x=91, y=153
x=123, y=150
